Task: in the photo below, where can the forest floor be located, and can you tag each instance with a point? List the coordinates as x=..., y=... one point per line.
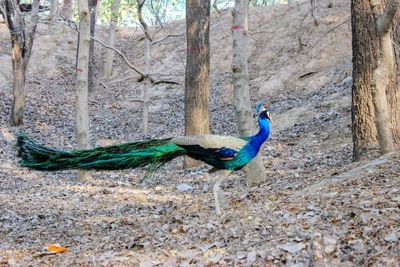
x=317, y=207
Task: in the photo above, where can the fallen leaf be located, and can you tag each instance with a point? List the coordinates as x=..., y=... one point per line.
x=56, y=248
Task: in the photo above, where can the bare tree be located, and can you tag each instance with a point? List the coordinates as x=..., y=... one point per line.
x=158, y=8
x=22, y=37
x=109, y=58
x=255, y=171
x=54, y=9
x=66, y=9
x=374, y=75
x=215, y=6
x=82, y=114
x=147, y=57
x=197, y=81
x=92, y=9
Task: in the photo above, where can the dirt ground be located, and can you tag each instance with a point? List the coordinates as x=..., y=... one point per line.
x=317, y=207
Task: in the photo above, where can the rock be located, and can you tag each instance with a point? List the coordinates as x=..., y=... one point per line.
x=392, y=237
x=292, y=247
x=348, y=79
x=184, y=187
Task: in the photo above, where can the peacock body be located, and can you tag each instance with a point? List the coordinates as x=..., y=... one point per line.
x=222, y=152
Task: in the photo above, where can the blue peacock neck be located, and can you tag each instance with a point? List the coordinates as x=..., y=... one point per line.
x=257, y=140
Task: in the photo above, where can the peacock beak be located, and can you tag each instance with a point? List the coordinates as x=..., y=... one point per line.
x=269, y=117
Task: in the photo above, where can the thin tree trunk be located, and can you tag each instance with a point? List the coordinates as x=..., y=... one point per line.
x=92, y=9
x=215, y=6
x=21, y=42
x=147, y=59
x=393, y=91
x=66, y=9
x=18, y=102
x=382, y=77
x=255, y=171
x=109, y=58
x=54, y=8
x=146, y=87
x=82, y=115
x=197, y=81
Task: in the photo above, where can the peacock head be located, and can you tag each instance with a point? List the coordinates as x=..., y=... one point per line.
x=263, y=111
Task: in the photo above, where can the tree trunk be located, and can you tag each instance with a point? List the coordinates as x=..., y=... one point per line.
x=82, y=116
x=393, y=91
x=109, y=58
x=92, y=9
x=197, y=81
x=255, y=171
x=18, y=101
x=375, y=91
x=21, y=42
x=365, y=51
x=53, y=14
x=146, y=87
x=383, y=76
x=215, y=6
x=147, y=59
x=66, y=9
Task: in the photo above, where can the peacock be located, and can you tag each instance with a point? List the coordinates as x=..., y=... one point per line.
x=224, y=153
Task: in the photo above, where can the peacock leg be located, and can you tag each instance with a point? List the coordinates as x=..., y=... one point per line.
x=216, y=189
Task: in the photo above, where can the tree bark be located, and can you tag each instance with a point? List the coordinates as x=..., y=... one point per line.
x=92, y=9
x=66, y=9
x=197, y=70
x=365, y=51
x=82, y=114
x=255, y=171
x=109, y=58
x=375, y=91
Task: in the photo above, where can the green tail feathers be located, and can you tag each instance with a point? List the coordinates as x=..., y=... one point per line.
x=152, y=153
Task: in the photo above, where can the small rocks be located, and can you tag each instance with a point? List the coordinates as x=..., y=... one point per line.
x=184, y=187
x=392, y=237
x=292, y=247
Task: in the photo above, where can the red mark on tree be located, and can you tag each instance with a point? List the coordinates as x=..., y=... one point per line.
x=79, y=70
x=236, y=27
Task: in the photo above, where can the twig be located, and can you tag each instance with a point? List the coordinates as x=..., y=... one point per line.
x=142, y=75
x=122, y=79
x=312, y=12
x=331, y=30
x=136, y=100
x=104, y=85
x=75, y=27
x=165, y=81
x=165, y=37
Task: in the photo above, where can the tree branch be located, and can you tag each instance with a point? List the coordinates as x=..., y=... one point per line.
x=142, y=75
x=141, y=20
x=385, y=20
x=106, y=46
x=331, y=30
x=165, y=37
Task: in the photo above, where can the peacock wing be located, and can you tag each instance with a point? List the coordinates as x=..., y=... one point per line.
x=210, y=141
